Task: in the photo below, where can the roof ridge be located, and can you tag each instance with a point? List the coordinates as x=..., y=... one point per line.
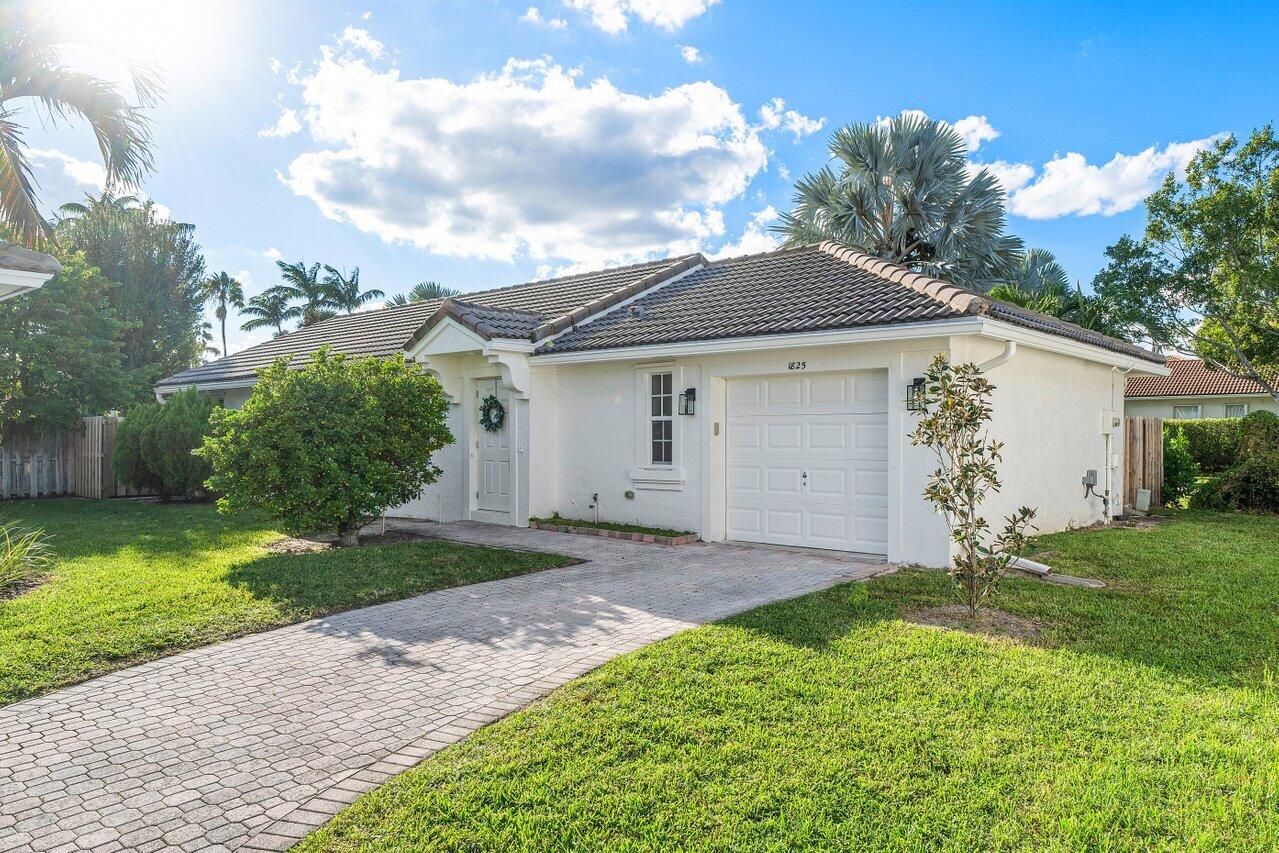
x=953, y=296
x=453, y=300
x=602, y=303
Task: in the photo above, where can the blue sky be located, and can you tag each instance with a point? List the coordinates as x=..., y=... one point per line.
x=481, y=144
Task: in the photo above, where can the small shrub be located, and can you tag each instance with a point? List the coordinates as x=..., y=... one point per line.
x=1180, y=468
x=128, y=461
x=957, y=410
x=331, y=445
x=1207, y=495
x=1212, y=442
x=1259, y=435
x=1253, y=485
x=24, y=555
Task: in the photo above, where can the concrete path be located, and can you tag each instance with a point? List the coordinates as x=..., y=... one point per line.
x=252, y=743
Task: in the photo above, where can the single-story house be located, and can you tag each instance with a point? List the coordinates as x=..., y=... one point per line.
x=23, y=270
x=761, y=398
x=1193, y=390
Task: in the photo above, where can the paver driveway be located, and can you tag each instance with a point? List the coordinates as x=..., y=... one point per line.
x=251, y=743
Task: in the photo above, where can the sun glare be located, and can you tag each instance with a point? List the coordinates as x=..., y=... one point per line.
x=181, y=37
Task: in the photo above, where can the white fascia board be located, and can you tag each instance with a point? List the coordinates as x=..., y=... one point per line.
x=248, y=382
x=1003, y=331
x=905, y=331
x=519, y=345
x=16, y=282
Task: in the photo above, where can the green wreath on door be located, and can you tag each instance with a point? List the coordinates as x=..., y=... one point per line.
x=492, y=413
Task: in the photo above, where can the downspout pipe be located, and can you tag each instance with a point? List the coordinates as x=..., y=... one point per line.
x=1010, y=350
x=1110, y=471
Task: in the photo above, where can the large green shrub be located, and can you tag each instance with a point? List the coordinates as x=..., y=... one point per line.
x=1212, y=442
x=1252, y=486
x=128, y=461
x=1259, y=434
x=154, y=445
x=1180, y=469
x=329, y=446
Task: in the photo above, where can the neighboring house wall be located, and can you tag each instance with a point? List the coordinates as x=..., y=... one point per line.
x=1210, y=407
x=1048, y=413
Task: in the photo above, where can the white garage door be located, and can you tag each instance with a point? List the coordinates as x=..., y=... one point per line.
x=808, y=460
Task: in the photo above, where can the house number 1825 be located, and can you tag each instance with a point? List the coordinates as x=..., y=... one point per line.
x=797, y=365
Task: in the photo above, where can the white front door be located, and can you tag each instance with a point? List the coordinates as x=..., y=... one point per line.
x=493, y=457
x=807, y=460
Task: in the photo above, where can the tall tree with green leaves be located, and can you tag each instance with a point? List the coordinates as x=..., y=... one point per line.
x=159, y=267
x=267, y=310
x=901, y=191
x=423, y=291
x=35, y=75
x=344, y=290
x=60, y=351
x=223, y=291
x=302, y=285
x=1205, y=275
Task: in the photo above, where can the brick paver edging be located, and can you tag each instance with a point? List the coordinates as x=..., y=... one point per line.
x=653, y=538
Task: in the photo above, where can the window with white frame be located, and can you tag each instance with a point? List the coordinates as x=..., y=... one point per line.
x=1236, y=410
x=661, y=420
x=1185, y=413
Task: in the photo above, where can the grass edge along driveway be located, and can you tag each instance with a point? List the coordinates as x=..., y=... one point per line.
x=1147, y=718
x=136, y=581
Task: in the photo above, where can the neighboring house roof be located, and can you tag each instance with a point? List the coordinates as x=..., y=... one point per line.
x=1190, y=377
x=386, y=331
x=13, y=257
x=806, y=289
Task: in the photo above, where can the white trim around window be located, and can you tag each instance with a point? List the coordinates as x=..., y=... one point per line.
x=658, y=454
x=1187, y=413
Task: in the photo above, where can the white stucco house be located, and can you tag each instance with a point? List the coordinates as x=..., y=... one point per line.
x=760, y=398
x=1193, y=390
x=22, y=270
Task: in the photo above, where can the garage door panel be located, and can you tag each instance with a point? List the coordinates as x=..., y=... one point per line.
x=832, y=427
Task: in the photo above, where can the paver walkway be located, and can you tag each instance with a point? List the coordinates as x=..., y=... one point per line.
x=252, y=743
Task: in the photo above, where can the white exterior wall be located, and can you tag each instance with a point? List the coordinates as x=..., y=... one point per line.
x=600, y=427
x=443, y=499
x=1212, y=407
x=1048, y=412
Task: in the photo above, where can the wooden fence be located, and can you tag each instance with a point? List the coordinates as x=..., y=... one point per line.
x=76, y=461
x=1143, y=459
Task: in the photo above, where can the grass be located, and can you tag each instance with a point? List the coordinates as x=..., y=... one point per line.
x=610, y=525
x=1146, y=719
x=132, y=581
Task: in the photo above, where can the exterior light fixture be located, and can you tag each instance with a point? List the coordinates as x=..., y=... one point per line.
x=915, y=395
x=687, y=401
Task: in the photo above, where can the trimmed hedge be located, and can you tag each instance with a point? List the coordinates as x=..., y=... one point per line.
x=1213, y=442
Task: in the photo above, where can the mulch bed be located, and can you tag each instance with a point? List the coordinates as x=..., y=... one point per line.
x=14, y=590
x=325, y=541
x=988, y=622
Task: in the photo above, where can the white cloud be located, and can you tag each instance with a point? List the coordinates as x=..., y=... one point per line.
x=84, y=173
x=973, y=130
x=273, y=253
x=275, y=65
x=774, y=115
x=528, y=161
x=366, y=16
x=1012, y=176
x=286, y=125
x=364, y=40
x=691, y=54
x=534, y=16
x=613, y=16
x=755, y=236
x=1069, y=184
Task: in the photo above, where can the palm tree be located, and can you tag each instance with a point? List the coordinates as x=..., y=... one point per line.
x=32, y=70
x=344, y=291
x=223, y=290
x=1040, y=283
x=105, y=203
x=903, y=193
x=423, y=291
x=302, y=284
x=269, y=309
x=206, y=340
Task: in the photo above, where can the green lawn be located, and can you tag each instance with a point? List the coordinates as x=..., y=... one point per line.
x=1147, y=719
x=136, y=581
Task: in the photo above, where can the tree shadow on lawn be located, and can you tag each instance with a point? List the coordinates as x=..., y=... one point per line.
x=1199, y=605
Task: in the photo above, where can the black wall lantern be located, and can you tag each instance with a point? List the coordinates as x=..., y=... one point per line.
x=915, y=395
x=687, y=401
